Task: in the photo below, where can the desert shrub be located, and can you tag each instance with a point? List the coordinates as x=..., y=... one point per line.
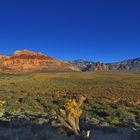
x=113, y=120
x=90, y=102
x=105, y=111
x=87, y=107
x=11, y=107
x=69, y=115
x=129, y=115
x=121, y=103
x=48, y=105
x=124, y=113
x=115, y=105
x=102, y=113
x=88, y=111
x=30, y=104
x=62, y=102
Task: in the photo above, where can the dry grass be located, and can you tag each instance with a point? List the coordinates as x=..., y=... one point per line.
x=40, y=93
x=107, y=86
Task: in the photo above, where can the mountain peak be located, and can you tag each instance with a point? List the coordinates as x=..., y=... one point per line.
x=27, y=54
x=29, y=61
x=21, y=52
x=129, y=65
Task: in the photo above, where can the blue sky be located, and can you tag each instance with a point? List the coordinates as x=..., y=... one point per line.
x=97, y=30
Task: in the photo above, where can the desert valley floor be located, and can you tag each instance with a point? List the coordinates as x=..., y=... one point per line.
x=111, y=109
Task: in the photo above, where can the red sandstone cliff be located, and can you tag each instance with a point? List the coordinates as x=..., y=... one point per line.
x=28, y=61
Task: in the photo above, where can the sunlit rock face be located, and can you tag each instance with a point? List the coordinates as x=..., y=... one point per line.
x=28, y=61
x=127, y=65
x=26, y=54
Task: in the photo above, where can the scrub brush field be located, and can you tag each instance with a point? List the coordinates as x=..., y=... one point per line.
x=112, y=98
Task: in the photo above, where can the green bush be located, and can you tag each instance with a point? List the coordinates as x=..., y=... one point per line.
x=48, y=105
x=90, y=101
x=113, y=120
x=30, y=104
x=62, y=102
x=124, y=113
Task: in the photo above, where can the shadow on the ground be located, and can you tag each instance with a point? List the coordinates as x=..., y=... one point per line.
x=40, y=127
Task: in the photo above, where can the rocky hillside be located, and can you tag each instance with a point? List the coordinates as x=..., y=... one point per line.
x=84, y=65
x=28, y=61
x=81, y=64
x=132, y=64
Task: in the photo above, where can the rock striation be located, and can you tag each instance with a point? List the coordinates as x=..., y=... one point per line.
x=28, y=61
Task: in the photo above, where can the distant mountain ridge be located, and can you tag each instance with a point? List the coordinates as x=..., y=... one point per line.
x=130, y=64
x=29, y=61
x=126, y=65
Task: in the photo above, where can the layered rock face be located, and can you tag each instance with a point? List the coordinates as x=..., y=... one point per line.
x=28, y=61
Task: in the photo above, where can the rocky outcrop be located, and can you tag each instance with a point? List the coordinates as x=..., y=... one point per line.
x=127, y=65
x=131, y=64
x=28, y=61
x=96, y=66
x=81, y=64
x=84, y=65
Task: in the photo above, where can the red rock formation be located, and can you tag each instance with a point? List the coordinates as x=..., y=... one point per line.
x=28, y=61
x=26, y=54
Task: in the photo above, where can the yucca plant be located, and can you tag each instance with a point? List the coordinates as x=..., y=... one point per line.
x=70, y=114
